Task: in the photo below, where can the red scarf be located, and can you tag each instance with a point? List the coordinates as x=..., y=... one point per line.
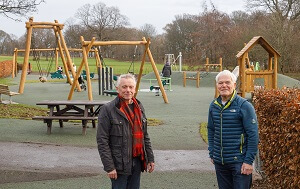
x=134, y=118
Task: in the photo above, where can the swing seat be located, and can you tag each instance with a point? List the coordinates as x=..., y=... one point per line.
x=57, y=74
x=43, y=79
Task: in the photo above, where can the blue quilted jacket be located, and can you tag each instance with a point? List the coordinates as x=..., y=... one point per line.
x=232, y=131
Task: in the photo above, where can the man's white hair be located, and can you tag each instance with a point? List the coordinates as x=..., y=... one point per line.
x=226, y=72
x=126, y=76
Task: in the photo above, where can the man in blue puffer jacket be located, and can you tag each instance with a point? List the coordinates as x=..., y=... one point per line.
x=232, y=135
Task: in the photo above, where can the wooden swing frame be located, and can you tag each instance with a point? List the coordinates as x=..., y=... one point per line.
x=87, y=45
x=61, y=46
x=16, y=52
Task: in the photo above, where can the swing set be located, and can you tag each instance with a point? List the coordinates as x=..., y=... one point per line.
x=63, y=50
x=87, y=45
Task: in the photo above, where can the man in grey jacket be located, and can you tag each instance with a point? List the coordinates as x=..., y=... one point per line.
x=123, y=141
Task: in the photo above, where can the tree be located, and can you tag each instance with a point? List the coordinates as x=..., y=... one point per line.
x=179, y=35
x=7, y=43
x=101, y=20
x=212, y=37
x=148, y=30
x=283, y=19
x=18, y=8
x=72, y=33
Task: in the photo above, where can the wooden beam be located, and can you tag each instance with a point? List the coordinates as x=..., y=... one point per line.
x=162, y=89
x=25, y=62
x=104, y=43
x=142, y=66
x=62, y=56
x=14, y=63
x=84, y=59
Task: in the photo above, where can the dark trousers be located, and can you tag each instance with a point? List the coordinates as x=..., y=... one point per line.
x=229, y=176
x=129, y=181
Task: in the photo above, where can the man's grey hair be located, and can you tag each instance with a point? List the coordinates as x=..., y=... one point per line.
x=226, y=72
x=126, y=76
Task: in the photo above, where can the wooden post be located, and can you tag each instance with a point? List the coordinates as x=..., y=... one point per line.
x=69, y=60
x=270, y=63
x=243, y=77
x=86, y=49
x=220, y=62
x=14, y=64
x=62, y=56
x=198, y=80
x=142, y=66
x=98, y=60
x=206, y=65
x=184, y=79
x=87, y=69
x=26, y=56
x=162, y=89
x=56, y=58
x=275, y=72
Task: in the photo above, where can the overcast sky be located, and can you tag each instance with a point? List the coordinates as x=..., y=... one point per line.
x=155, y=12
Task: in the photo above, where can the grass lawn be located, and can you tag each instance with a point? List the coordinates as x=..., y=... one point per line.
x=118, y=66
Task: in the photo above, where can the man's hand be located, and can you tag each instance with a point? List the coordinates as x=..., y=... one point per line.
x=150, y=167
x=246, y=169
x=113, y=174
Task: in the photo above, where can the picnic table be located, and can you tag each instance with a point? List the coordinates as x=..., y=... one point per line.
x=65, y=110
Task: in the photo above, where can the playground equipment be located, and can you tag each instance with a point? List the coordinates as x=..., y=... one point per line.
x=17, y=51
x=106, y=80
x=172, y=60
x=57, y=75
x=92, y=75
x=87, y=45
x=61, y=46
x=166, y=81
x=208, y=65
x=248, y=74
x=195, y=77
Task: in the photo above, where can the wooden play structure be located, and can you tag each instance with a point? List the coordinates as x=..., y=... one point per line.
x=207, y=65
x=87, y=45
x=247, y=74
x=195, y=77
x=63, y=50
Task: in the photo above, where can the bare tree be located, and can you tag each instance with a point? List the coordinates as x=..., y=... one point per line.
x=284, y=18
x=18, y=8
x=7, y=43
x=179, y=35
x=148, y=30
x=100, y=19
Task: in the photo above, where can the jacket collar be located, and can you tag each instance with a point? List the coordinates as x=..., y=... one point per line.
x=218, y=101
x=116, y=105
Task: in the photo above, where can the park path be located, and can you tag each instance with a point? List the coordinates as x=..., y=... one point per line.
x=65, y=159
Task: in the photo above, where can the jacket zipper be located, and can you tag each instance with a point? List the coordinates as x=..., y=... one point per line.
x=222, y=137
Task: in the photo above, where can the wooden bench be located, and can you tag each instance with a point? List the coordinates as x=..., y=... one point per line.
x=49, y=119
x=5, y=90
